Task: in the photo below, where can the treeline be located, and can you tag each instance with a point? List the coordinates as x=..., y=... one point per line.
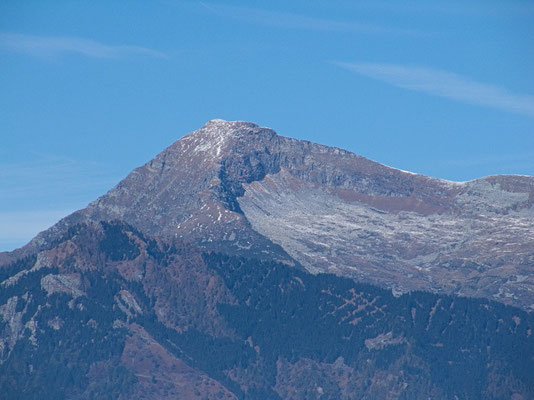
x=464, y=343
x=332, y=328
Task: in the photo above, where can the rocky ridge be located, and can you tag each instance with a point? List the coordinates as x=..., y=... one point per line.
x=238, y=188
x=111, y=312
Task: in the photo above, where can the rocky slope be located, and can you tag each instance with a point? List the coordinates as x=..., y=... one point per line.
x=201, y=275
x=238, y=188
x=110, y=312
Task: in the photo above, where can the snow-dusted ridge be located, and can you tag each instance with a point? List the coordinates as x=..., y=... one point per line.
x=236, y=187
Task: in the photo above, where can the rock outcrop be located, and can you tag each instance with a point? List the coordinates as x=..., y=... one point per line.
x=237, y=188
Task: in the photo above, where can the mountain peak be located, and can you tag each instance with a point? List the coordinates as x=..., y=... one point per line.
x=225, y=123
x=225, y=126
x=239, y=188
x=218, y=137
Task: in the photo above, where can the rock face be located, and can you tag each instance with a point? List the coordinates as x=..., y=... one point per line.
x=110, y=312
x=201, y=275
x=238, y=188
x=479, y=244
x=235, y=187
x=190, y=191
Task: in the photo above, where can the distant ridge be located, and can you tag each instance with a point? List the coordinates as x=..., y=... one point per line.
x=237, y=188
x=201, y=275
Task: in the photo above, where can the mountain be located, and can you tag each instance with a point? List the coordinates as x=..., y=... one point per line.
x=110, y=312
x=240, y=189
x=239, y=264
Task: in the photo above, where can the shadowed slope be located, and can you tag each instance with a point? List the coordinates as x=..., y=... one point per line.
x=238, y=188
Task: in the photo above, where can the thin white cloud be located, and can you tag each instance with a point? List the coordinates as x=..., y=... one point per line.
x=522, y=161
x=498, y=9
x=19, y=227
x=39, y=192
x=43, y=46
x=445, y=84
x=53, y=182
x=297, y=21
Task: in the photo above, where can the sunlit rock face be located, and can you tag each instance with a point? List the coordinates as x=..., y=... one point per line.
x=238, y=188
x=468, y=247
x=200, y=276
x=109, y=311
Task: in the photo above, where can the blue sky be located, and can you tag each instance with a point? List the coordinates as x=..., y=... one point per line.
x=89, y=90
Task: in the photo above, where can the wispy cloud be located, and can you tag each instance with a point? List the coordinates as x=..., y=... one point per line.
x=297, y=21
x=39, y=192
x=498, y=9
x=47, y=177
x=445, y=84
x=18, y=228
x=501, y=162
x=43, y=46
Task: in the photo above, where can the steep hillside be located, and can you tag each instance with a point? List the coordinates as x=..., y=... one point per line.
x=109, y=312
x=240, y=189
